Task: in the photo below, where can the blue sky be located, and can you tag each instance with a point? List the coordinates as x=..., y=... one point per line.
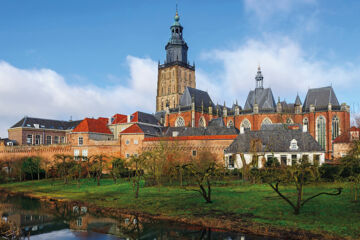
x=90, y=58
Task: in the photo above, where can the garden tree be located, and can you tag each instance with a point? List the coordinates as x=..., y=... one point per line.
x=117, y=168
x=255, y=149
x=203, y=169
x=63, y=164
x=136, y=164
x=351, y=169
x=46, y=164
x=157, y=163
x=31, y=166
x=299, y=174
x=97, y=166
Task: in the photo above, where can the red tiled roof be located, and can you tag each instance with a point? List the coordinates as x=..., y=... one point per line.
x=345, y=137
x=93, y=125
x=135, y=117
x=119, y=118
x=132, y=129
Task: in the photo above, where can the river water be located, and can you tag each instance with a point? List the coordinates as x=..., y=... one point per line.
x=47, y=220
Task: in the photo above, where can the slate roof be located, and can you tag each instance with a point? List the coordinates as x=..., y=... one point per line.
x=298, y=100
x=275, y=139
x=216, y=122
x=200, y=97
x=30, y=122
x=91, y=125
x=320, y=97
x=264, y=99
x=200, y=131
x=143, y=128
x=142, y=117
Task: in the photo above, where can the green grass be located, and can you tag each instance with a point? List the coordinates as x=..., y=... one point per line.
x=336, y=215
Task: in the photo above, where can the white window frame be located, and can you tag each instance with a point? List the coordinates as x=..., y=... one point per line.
x=136, y=141
x=27, y=139
x=47, y=138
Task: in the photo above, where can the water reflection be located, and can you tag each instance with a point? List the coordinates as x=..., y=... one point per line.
x=62, y=220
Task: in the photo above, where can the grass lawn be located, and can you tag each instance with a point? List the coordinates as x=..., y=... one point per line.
x=334, y=214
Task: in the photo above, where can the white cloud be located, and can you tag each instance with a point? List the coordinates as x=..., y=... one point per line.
x=45, y=93
x=286, y=68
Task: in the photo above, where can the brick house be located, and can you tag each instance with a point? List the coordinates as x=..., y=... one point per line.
x=40, y=131
x=343, y=143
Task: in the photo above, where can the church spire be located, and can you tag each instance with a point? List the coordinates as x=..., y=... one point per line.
x=259, y=78
x=176, y=49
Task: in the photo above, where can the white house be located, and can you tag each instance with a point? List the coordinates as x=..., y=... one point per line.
x=285, y=142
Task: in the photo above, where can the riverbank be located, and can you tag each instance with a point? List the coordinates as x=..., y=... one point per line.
x=251, y=209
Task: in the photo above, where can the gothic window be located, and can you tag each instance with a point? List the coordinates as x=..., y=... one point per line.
x=202, y=122
x=230, y=123
x=321, y=131
x=180, y=122
x=245, y=125
x=169, y=90
x=305, y=125
x=289, y=121
x=335, y=127
x=266, y=121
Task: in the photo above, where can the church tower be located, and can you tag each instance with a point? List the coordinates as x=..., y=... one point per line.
x=176, y=73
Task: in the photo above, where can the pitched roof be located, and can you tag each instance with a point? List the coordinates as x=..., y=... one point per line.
x=119, y=118
x=263, y=97
x=200, y=97
x=275, y=140
x=142, y=117
x=216, y=122
x=298, y=100
x=320, y=97
x=200, y=131
x=92, y=125
x=348, y=136
x=143, y=128
x=31, y=122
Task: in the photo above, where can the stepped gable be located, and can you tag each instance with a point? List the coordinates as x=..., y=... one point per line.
x=320, y=97
x=200, y=97
x=275, y=138
x=141, y=117
x=31, y=122
x=263, y=97
x=91, y=125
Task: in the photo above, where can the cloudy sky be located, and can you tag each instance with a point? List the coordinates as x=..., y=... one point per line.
x=87, y=58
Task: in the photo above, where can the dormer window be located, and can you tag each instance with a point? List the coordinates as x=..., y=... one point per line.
x=293, y=145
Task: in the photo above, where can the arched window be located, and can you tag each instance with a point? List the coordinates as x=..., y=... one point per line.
x=335, y=127
x=245, y=125
x=169, y=90
x=289, y=121
x=266, y=121
x=180, y=122
x=202, y=122
x=305, y=125
x=321, y=131
x=230, y=123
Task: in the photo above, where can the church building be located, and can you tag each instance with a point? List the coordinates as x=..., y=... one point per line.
x=179, y=103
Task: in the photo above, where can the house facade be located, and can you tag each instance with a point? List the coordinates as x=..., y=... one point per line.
x=283, y=142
